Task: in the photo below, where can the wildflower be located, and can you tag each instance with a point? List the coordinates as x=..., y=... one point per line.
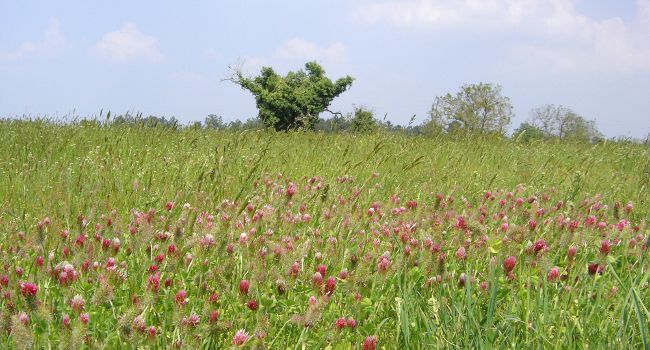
x=539, y=245
x=138, y=324
x=240, y=338
x=317, y=279
x=84, y=318
x=214, y=316
x=322, y=269
x=151, y=331
x=509, y=264
x=330, y=285
x=340, y=323
x=193, y=320
x=28, y=289
x=605, y=246
x=181, y=297
x=23, y=318
x=461, y=280
x=244, y=285
x=351, y=323
x=252, y=304
x=383, y=263
x=460, y=253
x=370, y=343
x=571, y=252
x=554, y=274
x=65, y=320
x=77, y=303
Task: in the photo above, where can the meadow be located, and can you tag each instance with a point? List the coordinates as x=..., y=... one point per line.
x=133, y=237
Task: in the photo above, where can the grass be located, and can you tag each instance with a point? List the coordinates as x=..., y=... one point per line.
x=112, y=177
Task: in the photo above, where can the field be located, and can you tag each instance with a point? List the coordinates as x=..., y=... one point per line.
x=134, y=237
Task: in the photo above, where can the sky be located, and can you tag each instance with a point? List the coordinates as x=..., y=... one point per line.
x=168, y=58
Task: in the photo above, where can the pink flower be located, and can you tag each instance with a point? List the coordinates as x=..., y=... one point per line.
x=244, y=285
x=370, y=343
x=571, y=251
x=317, y=279
x=322, y=269
x=23, y=318
x=460, y=253
x=240, y=338
x=77, y=303
x=554, y=274
x=214, y=316
x=340, y=323
x=461, y=280
x=151, y=331
x=193, y=320
x=65, y=320
x=383, y=263
x=351, y=323
x=539, y=245
x=181, y=297
x=252, y=304
x=330, y=285
x=84, y=318
x=509, y=264
x=605, y=246
x=28, y=289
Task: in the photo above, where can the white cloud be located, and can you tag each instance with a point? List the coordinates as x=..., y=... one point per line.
x=297, y=51
x=127, y=45
x=53, y=40
x=579, y=43
x=305, y=50
x=446, y=13
x=565, y=39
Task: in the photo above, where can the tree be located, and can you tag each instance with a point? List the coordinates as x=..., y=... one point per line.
x=214, y=121
x=564, y=123
x=476, y=108
x=363, y=120
x=295, y=100
x=527, y=132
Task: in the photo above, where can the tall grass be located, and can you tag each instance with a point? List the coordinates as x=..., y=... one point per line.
x=67, y=171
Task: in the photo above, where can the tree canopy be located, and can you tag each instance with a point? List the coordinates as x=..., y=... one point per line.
x=476, y=108
x=563, y=123
x=295, y=100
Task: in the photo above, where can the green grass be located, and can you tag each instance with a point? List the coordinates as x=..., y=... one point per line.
x=64, y=171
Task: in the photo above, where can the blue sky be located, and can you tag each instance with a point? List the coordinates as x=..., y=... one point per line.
x=168, y=57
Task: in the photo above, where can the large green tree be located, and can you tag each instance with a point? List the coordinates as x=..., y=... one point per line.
x=476, y=108
x=295, y=100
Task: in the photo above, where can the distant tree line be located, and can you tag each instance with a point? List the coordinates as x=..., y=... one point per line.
x=295, y=101
x=298, y=100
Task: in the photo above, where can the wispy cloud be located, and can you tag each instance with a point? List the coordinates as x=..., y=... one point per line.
x=297, y=51
x=128, y=44
x=564, y=38
x=53, y=40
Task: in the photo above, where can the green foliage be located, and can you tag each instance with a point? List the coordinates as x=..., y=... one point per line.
x=476, y=108
x=363, y=120
x=527, y=132
x=564, y=123
x=295, y=100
